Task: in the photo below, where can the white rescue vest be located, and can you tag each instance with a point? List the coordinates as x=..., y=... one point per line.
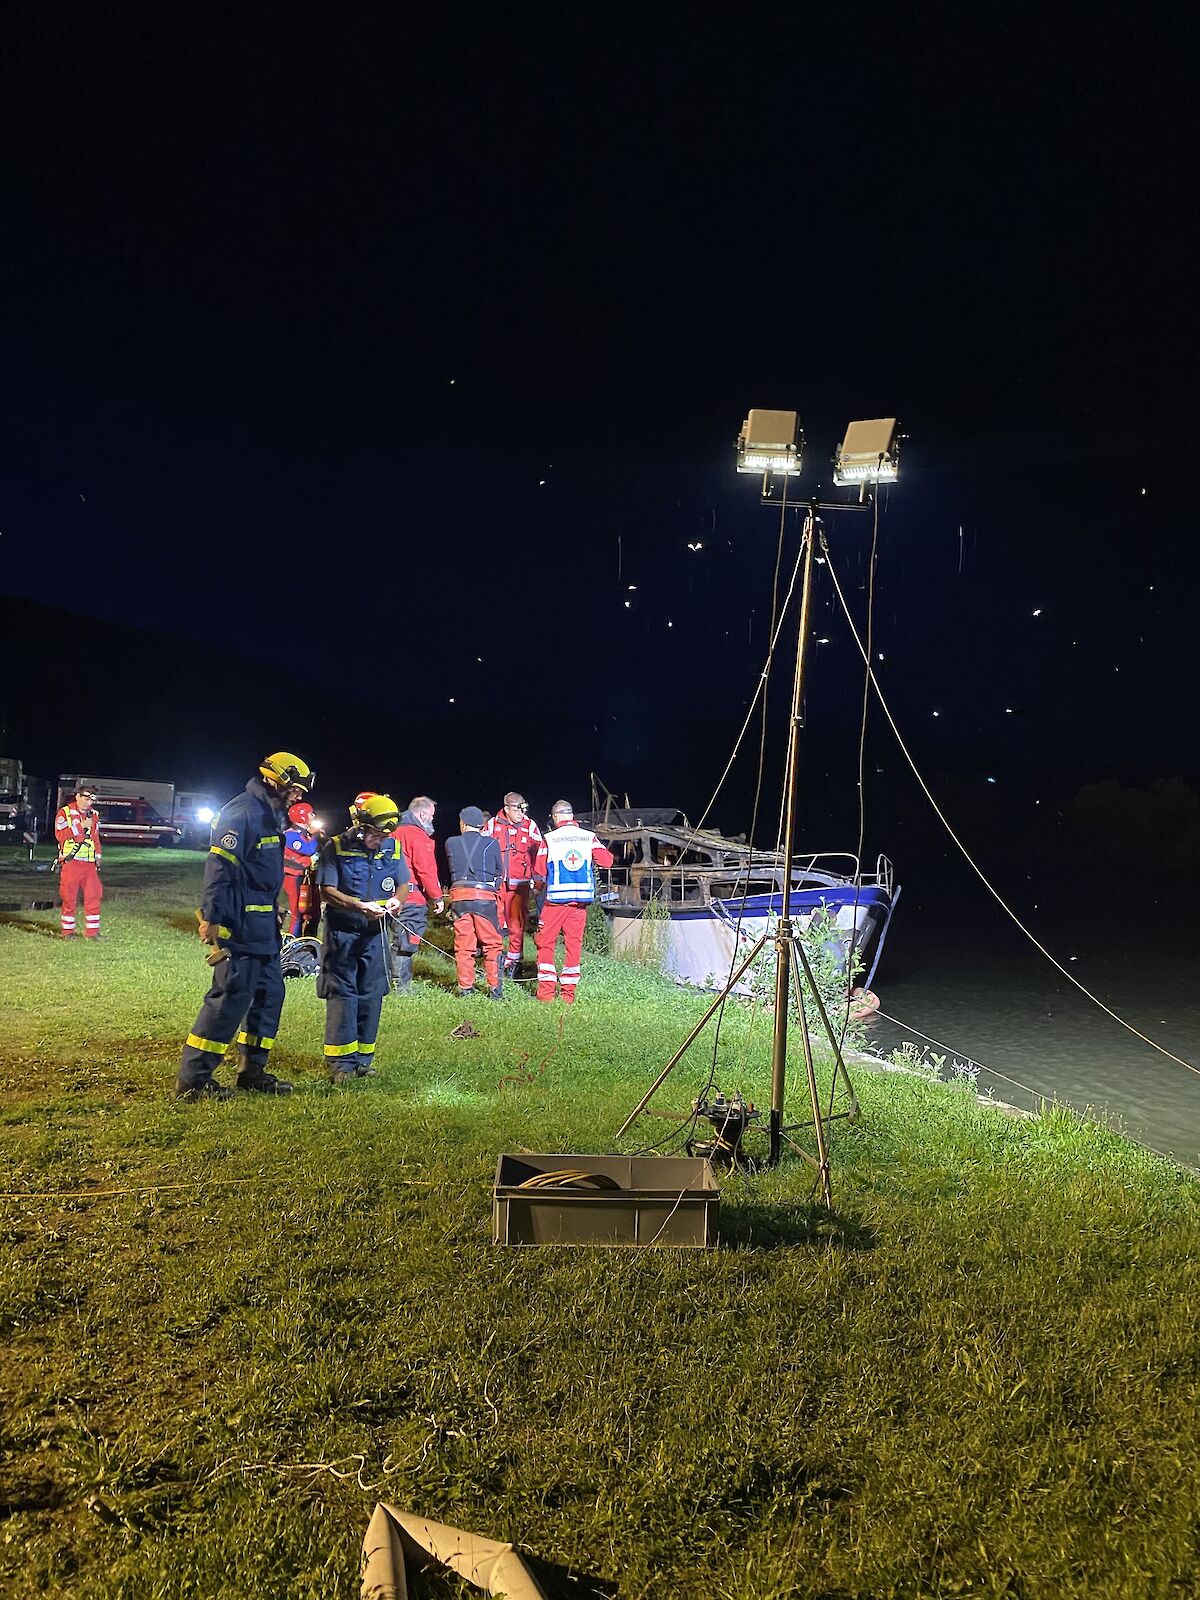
x=569, y=872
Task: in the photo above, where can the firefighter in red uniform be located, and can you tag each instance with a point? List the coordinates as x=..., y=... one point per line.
x=301, y=843
x=566, y=863
x=519, y=839
x=415, y=836
x=77, y=830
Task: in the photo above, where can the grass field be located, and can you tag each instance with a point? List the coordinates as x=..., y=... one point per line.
x=229, y=1329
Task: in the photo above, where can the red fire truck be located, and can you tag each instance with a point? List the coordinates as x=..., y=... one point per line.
x=131, y=810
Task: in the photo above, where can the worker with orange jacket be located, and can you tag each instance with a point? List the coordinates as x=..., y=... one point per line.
x=77, y=830
x=415, y=837
x=519, y=838
x=566, y=863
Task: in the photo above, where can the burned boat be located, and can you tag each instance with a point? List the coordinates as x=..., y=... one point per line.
x=697, y=897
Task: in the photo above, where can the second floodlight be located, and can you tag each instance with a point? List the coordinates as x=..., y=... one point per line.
x=770, y=441
x=870, y=453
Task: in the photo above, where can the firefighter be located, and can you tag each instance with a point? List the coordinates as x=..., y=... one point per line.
x=415, y=834
x=363, y=876
x=519, y=838
x=300, y=845
x=566, y=863
x=77, y=829
x=475, y=871
x=238, y=917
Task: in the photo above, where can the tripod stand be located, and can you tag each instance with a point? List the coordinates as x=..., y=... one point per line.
x=786, y=936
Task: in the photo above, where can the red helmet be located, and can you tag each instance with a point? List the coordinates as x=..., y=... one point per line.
x=301, y=814
x=363, y=794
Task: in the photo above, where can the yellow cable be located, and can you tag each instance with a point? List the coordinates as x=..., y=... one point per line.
x=109, y=1194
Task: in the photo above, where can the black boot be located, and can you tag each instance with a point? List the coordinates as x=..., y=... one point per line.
x=256, y=1081
x=202, y=1091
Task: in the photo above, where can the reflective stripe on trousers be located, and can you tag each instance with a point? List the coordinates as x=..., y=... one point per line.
x=245, y=989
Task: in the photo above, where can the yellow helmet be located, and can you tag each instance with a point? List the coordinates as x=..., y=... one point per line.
x=376, y=811
x=283, y=770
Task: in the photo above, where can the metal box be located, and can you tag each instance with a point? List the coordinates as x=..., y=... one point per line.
x=665, y=1201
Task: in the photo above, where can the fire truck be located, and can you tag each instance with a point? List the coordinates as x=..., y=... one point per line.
x=131, y=810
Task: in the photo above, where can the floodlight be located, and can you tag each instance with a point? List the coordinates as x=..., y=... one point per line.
x=770, y=441
x=870, y=453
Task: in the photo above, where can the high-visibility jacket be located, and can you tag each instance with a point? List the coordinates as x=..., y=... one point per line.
x=78, y=834
x=567, y=860
x=244, y=871
x=346, y=864
x=519, y=844
x=419, y=853
x=299, y=850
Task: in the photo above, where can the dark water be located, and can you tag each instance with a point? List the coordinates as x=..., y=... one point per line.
x=957, y=968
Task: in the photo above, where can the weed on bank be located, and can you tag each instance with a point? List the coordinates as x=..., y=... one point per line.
x=229, y=1329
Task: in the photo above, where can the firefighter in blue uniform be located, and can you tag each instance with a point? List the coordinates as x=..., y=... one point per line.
x=363, y=876
x=238, y=905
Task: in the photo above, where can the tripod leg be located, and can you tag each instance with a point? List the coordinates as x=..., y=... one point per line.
x=839, y=1063
x=810, y=1070
x=675, y=1059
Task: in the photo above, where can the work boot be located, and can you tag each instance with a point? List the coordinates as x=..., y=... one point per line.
x=260, y=1082
x=364, y=1070
x=465, y=994
x=343, y=1074
x=497, y=993
x=203, y=1091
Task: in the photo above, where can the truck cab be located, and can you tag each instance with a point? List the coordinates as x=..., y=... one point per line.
x=194, y=813
x=14, y=802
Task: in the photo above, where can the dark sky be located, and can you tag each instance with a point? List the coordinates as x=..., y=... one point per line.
x=370, y=340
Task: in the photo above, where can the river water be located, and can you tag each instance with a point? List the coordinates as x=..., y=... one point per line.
x=956, y=967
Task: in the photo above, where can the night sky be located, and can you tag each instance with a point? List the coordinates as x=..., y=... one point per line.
x=360, y=343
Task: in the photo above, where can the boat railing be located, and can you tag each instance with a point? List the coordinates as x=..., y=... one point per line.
x=689, y=884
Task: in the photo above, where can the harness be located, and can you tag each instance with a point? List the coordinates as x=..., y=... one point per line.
x=474, y=846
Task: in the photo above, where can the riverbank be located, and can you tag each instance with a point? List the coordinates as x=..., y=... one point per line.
x=229, y=1329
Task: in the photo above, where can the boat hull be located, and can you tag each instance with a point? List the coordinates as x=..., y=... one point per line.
x=701, y=946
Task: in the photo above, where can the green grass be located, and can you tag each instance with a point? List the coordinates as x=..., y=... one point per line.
x=979, y=1376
